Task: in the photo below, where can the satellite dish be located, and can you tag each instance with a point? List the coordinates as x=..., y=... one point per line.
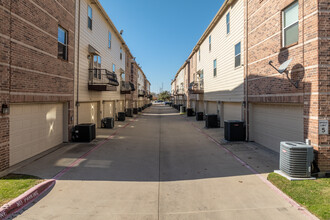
x=284, y=66
x=282, y=69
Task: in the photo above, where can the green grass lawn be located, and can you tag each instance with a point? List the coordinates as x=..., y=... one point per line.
x=312, y=194
x=14, y=185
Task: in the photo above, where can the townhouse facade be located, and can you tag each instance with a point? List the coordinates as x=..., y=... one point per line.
x=37, y=77
x=292, y=105
x=62, y=63
x=232, y=71
x=100, y=70
x=143, y=89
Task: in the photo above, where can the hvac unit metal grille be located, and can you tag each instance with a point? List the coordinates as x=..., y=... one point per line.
x=296, y=159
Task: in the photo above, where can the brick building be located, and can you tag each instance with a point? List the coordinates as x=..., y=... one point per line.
x=36, y=77
x=278, y=31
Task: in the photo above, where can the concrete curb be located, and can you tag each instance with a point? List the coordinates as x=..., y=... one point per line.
x=25, y=199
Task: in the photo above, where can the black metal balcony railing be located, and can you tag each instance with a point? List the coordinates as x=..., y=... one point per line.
x=141, y=92
x=102, y=80
x=196, y=87
x=132, y=86
x=126, y=87
x=179, y=91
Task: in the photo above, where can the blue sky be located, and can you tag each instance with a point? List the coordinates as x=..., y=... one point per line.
x=161, y=33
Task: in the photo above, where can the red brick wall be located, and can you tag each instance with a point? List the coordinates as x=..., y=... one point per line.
x=324, y=80
x=30, y=69
x=265, y=85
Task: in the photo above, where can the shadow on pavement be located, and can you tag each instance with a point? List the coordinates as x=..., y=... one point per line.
x=160, y=145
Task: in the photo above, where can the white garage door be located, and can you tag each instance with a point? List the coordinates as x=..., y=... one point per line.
x=109, y=109
x=232, y=111
x=212, y=108
x=34, y=129
x=200, y=106
x=88, y=113
x=193, y=104
x=271, y=124
x=120, y=106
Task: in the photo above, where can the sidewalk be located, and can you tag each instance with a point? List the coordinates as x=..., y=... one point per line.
x=260, y=158
x=53, y=161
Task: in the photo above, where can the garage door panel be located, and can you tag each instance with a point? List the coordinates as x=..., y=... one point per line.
x=271, y=124
x=232, y=111
x=34, y=129
x=108, y=109
x=88, y=113
x=212, y=107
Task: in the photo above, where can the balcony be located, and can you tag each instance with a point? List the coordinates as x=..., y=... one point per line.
x=126, y=87
x=102, y=80
x=196, y=87
x=141, y=93
x=179, y=92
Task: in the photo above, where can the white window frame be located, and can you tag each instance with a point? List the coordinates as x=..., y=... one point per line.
x=114, y=68
x=239, y=54
x=109, y=39
x=91, y=27
x=215, y=68
x=290, y=25
x=65, y=44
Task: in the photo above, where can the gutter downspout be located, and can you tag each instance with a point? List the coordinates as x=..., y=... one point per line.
x=78, y=53
x=247, y=118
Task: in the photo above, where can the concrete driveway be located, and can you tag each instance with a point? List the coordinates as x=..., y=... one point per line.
x=157, y=167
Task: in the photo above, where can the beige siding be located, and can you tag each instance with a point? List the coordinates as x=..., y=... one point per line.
x=271, y=124
x=180, y=78
x=98, y=38
x=228, y=84
x=34, y=128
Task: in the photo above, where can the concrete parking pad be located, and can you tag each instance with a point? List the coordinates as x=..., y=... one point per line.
x=158, y=167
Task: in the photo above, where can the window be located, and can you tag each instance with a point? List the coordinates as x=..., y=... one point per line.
x=238, y=54
x=290, y=24
x=210, y=43
x=215, y=67
x=62, y=38
x=90, y=17
x=113, y=68
x=109, y=40
x=97, y=66
x=199, y=54
x=121, y=53
x=228, y=22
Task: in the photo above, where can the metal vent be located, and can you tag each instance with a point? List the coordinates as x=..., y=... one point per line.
x=296, y=159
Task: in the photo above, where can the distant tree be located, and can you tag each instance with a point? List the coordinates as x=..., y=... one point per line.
x=164, y=96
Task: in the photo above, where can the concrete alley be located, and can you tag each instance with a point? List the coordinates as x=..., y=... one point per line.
x=155, y=166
